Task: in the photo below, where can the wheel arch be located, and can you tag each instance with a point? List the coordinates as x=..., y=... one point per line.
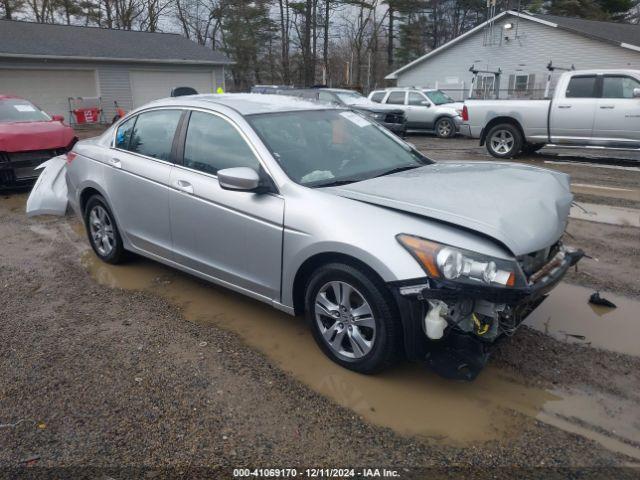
x=497, y=121
x=89, y=190
x=85, y=195
x=311, y=264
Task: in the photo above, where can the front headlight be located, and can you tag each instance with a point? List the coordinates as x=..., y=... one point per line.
x=443, y=261
x=377, y=116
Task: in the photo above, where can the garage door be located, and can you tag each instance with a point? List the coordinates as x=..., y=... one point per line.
x=49, y=89
x=151, y=85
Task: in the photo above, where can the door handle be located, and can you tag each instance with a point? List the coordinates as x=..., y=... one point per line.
x=184, y=186
x=608, y=107
x=564, y=106
x=115, y=162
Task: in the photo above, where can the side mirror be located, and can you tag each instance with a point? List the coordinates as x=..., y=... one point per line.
x=425, y=103
x=239, y=178
x=60, y=118
x=636, y=93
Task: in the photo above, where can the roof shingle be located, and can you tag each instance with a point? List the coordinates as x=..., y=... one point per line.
x=49, y=40
x=611, y=31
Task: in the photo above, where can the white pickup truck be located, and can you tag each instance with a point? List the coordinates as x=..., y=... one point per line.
x=589, y=108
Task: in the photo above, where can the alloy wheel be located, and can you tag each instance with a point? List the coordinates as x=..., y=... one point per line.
x=444, y=128
x=101, y=230
x=345, y=320
x=502, y=142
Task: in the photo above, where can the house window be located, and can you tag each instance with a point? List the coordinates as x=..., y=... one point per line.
x=485, y=86
x=521, y=84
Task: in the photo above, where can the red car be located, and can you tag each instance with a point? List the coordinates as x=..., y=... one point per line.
x=28, y=137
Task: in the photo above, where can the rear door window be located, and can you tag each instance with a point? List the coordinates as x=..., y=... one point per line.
x=396, y=98
x=153, y=132
x=582, y=87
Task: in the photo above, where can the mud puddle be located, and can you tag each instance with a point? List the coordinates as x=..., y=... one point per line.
x=567, y=316
x=606, y=214
x=14, y=201
x=408, y=399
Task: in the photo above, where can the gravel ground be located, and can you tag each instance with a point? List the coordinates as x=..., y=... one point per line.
x=107, y=377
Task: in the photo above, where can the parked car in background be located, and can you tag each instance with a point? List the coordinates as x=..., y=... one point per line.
x=425, y=109
x=316, y=210
x=269, y=88
x=589, y=108
x=28, y=137
x=391, y=118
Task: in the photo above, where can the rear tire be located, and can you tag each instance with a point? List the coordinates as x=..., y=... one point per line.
x=353, y=318
x=504, y=141
x=102, y=231
x=445, y=128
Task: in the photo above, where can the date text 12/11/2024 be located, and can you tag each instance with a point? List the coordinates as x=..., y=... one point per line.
x=315, y=473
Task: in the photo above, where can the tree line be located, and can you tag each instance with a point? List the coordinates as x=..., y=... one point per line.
x=306, y=42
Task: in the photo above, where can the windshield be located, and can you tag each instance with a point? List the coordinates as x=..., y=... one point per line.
x=329, y=147
x=438, y=97
x=18, y=110
x=349, y=97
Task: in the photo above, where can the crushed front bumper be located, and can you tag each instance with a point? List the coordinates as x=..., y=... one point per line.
x=462, y=352
x=399, y=129
x=19, y=168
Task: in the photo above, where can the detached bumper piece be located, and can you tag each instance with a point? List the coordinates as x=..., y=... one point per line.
x=452, y=326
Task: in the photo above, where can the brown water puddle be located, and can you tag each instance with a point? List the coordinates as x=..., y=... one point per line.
x=14, y=202
x=408, y=399
x=567, y=315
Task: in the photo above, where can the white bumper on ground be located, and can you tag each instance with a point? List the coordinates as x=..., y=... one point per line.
x=49, y=194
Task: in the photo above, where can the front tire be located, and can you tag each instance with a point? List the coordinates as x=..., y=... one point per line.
x=445, y=128
x=504, y=141
x=353, y=318
x=102, y=231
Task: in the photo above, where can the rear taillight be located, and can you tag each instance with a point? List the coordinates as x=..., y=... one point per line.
x=465, y=114
x=71, y=156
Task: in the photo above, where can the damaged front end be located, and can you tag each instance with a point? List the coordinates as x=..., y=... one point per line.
x=453, y=318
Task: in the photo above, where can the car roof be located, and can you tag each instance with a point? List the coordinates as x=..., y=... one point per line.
x=338, y=90
x=605, y=71
x=408, y=89
x=246, y=103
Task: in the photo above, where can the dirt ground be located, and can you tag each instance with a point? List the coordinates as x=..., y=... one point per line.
x=143, y=366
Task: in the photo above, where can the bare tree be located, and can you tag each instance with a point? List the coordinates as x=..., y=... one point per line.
x=9, y=8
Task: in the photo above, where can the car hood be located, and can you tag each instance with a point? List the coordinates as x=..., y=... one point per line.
x=26, y=136
x=524, y=208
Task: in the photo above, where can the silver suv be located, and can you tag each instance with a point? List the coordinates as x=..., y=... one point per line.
x=425, y=109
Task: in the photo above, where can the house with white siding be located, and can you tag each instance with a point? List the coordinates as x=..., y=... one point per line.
x=511, y=52
x=47, y=64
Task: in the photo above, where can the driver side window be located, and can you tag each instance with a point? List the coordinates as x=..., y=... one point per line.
x=213, y=144
x=416, y=99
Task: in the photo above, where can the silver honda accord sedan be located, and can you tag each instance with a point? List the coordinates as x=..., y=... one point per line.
x=319, y=211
